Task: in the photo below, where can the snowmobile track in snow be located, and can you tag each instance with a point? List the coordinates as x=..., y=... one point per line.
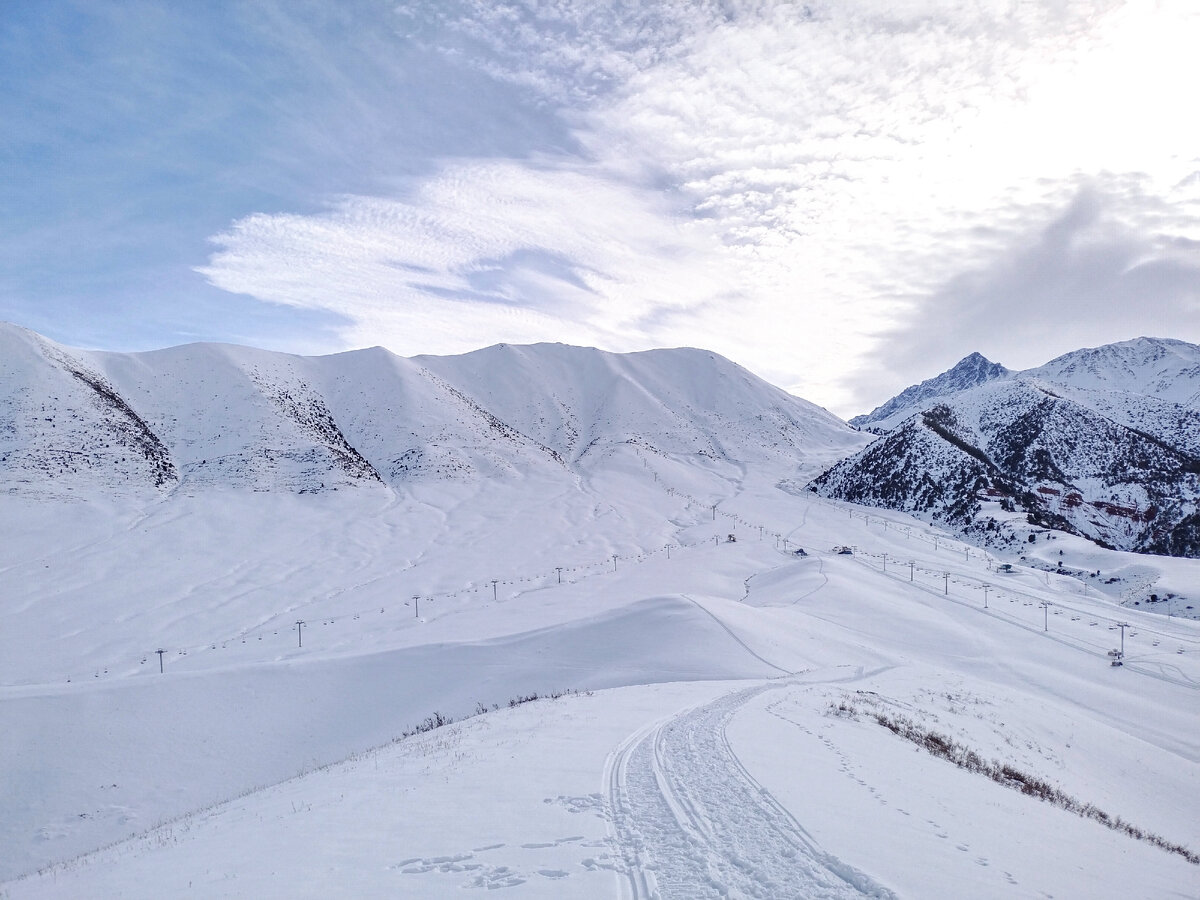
x=691, y=822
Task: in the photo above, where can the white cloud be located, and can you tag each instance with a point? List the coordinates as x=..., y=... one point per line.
x=1081, y=277
x=798, y=187
x=483, y=251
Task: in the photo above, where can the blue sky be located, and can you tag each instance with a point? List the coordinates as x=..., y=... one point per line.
x=845, y=197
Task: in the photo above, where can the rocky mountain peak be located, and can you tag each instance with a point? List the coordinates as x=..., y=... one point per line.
x=971, y=370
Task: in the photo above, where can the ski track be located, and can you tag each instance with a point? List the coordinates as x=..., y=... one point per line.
x=691, y=822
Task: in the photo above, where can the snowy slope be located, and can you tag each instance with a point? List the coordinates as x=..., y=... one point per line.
x=683, y=401
x=238, y=417
x=729, y=747
x=65, y=429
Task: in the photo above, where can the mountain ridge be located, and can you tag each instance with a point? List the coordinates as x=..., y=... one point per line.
x=202, y=415
x=1175, y=379
x=1075, y=445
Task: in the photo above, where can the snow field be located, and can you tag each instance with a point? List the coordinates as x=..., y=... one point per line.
x=506, y=800
x=665, y=636
x=869, y=795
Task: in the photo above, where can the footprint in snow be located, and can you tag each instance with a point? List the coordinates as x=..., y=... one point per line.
x=591, y=803
x=605, y=861
x=497, y=877
x=446, y=864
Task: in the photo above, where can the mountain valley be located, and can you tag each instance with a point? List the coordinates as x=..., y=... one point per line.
x=572, y=624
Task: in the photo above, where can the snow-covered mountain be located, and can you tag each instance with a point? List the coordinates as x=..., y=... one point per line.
x=1104, y=442
x=1165, y=369
x=578, y=401
x=205, y=415
x=968, y=372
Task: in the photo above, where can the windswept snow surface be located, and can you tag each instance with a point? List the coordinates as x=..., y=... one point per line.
x=722, y=742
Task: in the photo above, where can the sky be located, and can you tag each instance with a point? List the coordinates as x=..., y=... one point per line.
x=843, y=196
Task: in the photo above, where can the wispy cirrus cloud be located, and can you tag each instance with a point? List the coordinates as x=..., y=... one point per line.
x=135, y=129
x=522, y=252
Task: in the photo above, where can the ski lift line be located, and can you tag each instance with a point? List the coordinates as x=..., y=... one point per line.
x=258, y=630
x=451, y=594
x=971, y=581
x=1012, y=594
x=1143, y=627
x=935, y=542
x=1074, y=643
x=992, y=560
x=1145, y=624
x=1029, y=600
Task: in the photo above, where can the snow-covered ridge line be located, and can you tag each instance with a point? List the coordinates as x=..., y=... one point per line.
x=206, y=416
x=1163, y=369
